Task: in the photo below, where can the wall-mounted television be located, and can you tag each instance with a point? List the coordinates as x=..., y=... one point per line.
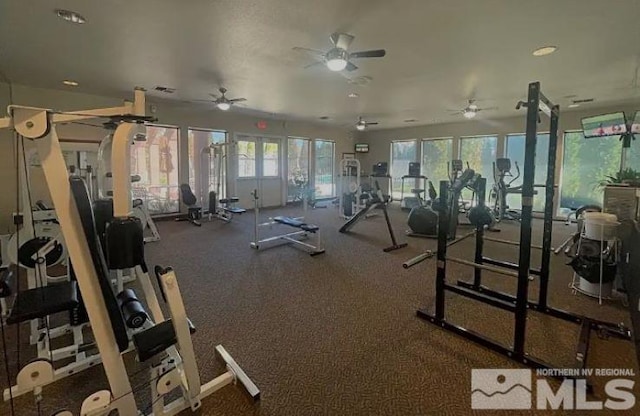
x=635, y=124
x=604, y=125
x=362, y=148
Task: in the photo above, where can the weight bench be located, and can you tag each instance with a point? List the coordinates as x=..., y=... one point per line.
x=293, y=222
x=303, y=231
x=226, y=210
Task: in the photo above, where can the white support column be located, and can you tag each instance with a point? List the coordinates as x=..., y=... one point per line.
x=121, y=171
x=58, y=182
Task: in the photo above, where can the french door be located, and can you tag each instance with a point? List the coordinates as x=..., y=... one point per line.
x=259, y=167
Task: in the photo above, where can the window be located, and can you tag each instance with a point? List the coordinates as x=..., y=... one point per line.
x=270, y=158
x=156, y=162
x=585, y=163
x=402, y=153
x=297, y=165
x=436, y=153
x=515, y=152
x=246, y=159
x=324, y=168
x=199, y=139
x=479, y=152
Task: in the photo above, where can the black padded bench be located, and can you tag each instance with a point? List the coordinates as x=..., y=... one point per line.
x=43, y=301
x=156, y=339
x=292, y=222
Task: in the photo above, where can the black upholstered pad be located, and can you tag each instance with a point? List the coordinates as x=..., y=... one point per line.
x=43, y=301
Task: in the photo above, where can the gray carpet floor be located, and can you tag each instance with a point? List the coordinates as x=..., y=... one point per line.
x=337, y=334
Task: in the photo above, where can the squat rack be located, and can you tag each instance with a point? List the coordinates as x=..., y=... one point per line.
x=519, y=304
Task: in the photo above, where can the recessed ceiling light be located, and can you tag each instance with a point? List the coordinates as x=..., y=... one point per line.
x=545, y=50
x=70, y=83
x=353, y=95
x=70, y=16
x=574, y=105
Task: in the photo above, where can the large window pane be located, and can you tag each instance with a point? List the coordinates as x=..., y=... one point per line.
x=270, y=159
x=436, y=153
x=246, y=159
x=515, y=152
x=585, y=163
x=402, y=153
x=199, y=139
x=156, y=162
x=633, y=155
x=298, y=165
x=324, y=174
x=480, y=152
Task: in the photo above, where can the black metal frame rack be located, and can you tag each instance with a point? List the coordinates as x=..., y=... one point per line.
x=520, y=303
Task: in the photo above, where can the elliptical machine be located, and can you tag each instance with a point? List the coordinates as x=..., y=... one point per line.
x=423, y=220
x=501, y=188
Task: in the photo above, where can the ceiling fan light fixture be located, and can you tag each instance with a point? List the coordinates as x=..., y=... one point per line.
x=223, y=106
x=360, y=126
x=472, y=107
x=336, y=59
x=469, y=114
x=337, y=64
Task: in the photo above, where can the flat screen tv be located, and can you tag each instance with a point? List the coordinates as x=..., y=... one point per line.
x=604, y=125
x=362, y=148
x=635, y=124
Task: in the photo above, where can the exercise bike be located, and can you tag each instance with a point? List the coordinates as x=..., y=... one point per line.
x=501, y=188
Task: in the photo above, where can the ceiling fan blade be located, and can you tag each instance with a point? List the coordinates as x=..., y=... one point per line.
x=341, y=40
x=314, y=52
x=488, y=108
x=351, y=67
x=374, y=53
x=202, y=101
x=316, y=63
x=238, y=100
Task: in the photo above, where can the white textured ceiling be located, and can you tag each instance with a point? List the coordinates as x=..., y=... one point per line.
x=439, y=53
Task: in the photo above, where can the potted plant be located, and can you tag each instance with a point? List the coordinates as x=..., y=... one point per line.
x=630, y=177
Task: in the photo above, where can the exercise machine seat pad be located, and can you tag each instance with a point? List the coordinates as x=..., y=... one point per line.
x=154, y=340
x=296, y=223
x=230, y=200
x=43, y=301
x=234, y=210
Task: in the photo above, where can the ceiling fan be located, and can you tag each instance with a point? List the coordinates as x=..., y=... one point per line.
x=361, y=124
x=338, y=57
x=222, y=102
x=471, y=110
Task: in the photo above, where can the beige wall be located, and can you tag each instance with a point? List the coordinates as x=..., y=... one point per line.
x=181, y=115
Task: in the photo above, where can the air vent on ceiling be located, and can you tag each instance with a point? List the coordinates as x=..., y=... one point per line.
x=584, y=100
x=166, y=90
x=324, y=118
